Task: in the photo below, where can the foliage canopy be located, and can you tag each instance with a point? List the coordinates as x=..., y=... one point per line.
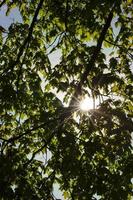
x=90, y=153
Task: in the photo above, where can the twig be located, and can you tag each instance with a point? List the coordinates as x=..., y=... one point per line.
x=120, y=46
x=54, y=47
x=55, y=40
x=39, y=150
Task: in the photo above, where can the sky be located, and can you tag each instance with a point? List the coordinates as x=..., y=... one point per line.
x=14, y=16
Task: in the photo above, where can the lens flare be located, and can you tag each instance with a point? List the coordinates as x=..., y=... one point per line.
x=86, y=104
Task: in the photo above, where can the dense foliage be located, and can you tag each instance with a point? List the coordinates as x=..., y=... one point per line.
x=45, y=141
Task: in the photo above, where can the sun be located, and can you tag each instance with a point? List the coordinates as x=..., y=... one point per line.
x=86, y=104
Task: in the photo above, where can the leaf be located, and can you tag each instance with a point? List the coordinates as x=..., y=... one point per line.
x=66, y=195
x=2, y=29
x=113, y=63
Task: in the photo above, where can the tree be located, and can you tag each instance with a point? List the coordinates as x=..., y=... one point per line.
x=91, y=152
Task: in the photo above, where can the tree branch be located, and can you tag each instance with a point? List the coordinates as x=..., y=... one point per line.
x=46, y=143
x=2, y=3
x=12, y=139
x=92, y=60
x=28, y=38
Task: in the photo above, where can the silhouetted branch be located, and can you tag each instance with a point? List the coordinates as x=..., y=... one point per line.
x=12, y=139
x=2, y=3
x=92, y=60
x=28, y=38
x=121, y=47
x=52, y=44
